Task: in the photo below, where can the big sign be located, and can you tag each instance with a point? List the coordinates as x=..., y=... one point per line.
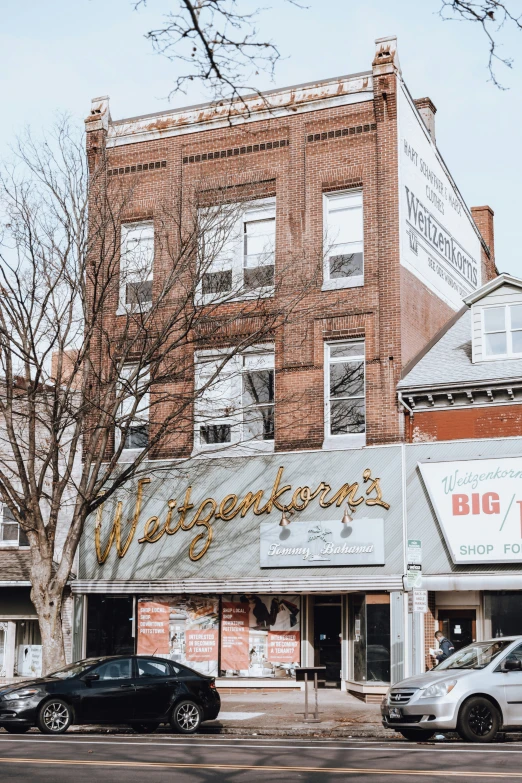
x=479, y=507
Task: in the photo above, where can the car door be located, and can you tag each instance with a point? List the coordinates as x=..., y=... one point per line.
x=110, y=698
x=156, y=688
x=512, y=681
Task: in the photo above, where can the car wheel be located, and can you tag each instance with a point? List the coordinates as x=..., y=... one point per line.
x=16, y=729
x=54, y=717
x=144, y=728
x=417, y=735
x=185, y=717
x=479, y=720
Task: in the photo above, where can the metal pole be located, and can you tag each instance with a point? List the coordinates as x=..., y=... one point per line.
x=316, y=713
x=306, y=696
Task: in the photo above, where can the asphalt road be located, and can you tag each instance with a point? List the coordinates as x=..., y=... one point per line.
x=200, y=759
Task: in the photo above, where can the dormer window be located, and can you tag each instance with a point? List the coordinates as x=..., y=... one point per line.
x=502, y=329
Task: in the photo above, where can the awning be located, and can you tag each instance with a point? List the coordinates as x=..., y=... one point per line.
x=483, y=581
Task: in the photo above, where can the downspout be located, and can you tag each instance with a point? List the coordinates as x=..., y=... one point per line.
x=410, y=411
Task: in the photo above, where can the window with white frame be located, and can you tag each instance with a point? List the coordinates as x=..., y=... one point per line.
x=133, y=413
x=11, y=534
x=238, y=249
x=343, y=239
x=136, y=264
x=344, y=380
x=235, y=403
x=502, y=328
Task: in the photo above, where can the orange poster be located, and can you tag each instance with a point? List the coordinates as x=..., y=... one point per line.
x=284, y=646
x=234, y=635
x=201, y=645
x=153, y=628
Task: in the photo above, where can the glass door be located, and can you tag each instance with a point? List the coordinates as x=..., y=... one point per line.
x=3, y=641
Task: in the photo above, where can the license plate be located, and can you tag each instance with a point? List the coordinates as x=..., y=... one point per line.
x=394, y=713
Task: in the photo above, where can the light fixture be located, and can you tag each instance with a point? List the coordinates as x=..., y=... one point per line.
x=285, y=519
x=347, y=517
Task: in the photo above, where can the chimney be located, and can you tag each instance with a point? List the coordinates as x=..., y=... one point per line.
x=386, y=58
x=427, y=111
x=69, y=373
x=483, y=217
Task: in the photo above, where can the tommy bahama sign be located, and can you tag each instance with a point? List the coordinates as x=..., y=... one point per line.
x=177, y=519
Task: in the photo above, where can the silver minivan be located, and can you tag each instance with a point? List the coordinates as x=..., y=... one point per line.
x=476, y=691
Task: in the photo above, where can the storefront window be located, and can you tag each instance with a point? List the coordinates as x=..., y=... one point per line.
x=370, y=637
x=502, y=614
x=182, y=629
x=109, y=625
x=260, y=635
x=28, y=649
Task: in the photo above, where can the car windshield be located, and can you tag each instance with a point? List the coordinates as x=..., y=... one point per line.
x=476, y=656
x=74, y=669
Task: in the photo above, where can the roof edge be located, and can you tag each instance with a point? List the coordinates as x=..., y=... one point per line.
x=503, y=279
x=435, y=339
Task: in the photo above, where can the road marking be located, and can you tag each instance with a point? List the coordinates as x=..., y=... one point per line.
x=174, y=743
x=262, y=768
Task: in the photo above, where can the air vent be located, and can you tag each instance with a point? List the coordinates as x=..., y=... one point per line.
x=335, y=134
x=235, y=151
x=137, y=168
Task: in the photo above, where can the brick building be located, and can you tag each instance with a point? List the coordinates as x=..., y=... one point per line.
x=345, y=174
x=462, y=400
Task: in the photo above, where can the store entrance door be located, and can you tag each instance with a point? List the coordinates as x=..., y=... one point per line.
x=459, y=626
x=327, y=636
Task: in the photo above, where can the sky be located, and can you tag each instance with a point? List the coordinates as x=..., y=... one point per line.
x=58, y=54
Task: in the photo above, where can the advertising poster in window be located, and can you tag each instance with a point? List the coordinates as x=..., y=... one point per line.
x=153, y=628
x=234, y=636
x=193, y=626
x=439, y=242
x=273, y=636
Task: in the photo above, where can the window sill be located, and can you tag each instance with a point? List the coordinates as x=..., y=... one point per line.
x=341, y=442
x=357, y=281
x=124, y=309
x=222, y=450
x=14, y=546
x=129, y=455
x=202, y=300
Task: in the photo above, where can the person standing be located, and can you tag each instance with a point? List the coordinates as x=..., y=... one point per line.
x=446, y=647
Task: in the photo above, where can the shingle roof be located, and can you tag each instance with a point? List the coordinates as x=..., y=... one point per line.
x=15, y=565
x=448, y=362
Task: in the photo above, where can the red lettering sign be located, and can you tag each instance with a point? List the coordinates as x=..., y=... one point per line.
x=284, y=646
x=234, y=635
x=201, y=645
x=153, y=628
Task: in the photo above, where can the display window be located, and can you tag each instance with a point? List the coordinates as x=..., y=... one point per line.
x=370, y=637
x=183, y=629
x=260, y=635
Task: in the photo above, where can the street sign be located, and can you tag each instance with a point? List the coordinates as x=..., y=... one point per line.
x=418, y=601
x=414, y=564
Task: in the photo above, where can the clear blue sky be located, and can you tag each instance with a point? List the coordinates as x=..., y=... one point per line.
x=56, y=55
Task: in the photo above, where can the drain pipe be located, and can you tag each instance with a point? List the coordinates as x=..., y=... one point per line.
x=407, y=407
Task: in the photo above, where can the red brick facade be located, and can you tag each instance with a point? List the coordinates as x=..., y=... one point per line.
x=503, y=421
x=296, y=158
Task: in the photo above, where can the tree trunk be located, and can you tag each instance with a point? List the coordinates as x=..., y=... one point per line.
x=48, y=600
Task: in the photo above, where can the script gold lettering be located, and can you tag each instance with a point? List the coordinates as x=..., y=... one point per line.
x=199, y=519
x=375, y=485
x=226, y=508
x=115, y=534
x=276, y=492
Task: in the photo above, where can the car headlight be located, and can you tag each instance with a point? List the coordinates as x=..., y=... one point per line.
x=438, y=689
x=22, y=694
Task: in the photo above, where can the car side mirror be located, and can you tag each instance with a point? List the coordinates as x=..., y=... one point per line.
x=511, y=664
x=91, y=677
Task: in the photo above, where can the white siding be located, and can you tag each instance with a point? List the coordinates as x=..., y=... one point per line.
x=506, y=294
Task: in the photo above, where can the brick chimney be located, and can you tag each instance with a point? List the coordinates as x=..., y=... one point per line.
x=427, y=111
x=68, y=369
x=483, y=217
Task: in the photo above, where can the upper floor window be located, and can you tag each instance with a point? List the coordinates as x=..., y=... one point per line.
x=133, y=412
x=236, y=403
x=343, y=239
x=11, y=534
x=237, y=249
x=502, y=329
x=345, y=389
x=136, y=265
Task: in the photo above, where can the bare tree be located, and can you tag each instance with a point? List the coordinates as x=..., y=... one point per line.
x=491, y=16
x=218, y=44
x=97, y=346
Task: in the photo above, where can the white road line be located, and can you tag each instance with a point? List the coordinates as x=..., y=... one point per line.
x=196, y=744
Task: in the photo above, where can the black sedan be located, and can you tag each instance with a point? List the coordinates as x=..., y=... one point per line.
x=135, y=690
